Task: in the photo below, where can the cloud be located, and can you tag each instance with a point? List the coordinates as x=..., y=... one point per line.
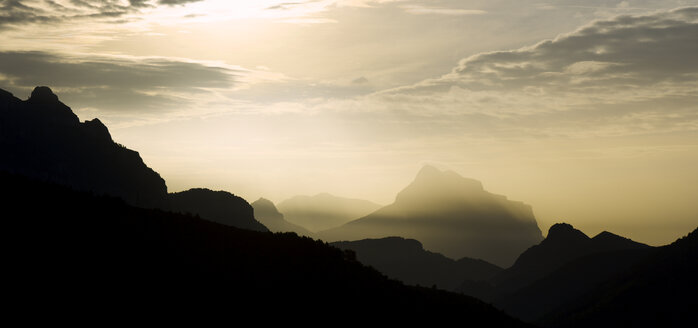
x=22, y=12
x=628, y=74
x=423, y=10
x=119, y=84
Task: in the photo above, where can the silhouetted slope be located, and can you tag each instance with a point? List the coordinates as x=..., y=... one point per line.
x=324, y=211
x=569, y=283
x=562, y=245
x=78, y=255
x=42, y=138
x=406, y=260
x=658, y=291
x=451, y=215
x=217, y=206
x=267, y=214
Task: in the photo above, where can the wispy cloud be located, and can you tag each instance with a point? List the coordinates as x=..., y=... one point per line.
x=424, y=10
x=629, y=74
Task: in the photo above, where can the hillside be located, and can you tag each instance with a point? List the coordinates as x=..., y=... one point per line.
x=407, y=261
x=42, y=138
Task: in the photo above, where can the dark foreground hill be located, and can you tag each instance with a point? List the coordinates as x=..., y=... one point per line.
x=77, y=254
x=562, y=245
x=572, y=280
x=658, y=291
x=42, y=138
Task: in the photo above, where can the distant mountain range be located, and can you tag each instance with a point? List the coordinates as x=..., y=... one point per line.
x=451, y=215
x=407, y=261
x=324, y=211
x=266, y=213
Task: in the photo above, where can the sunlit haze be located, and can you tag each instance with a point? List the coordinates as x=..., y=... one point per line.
x=588, y=113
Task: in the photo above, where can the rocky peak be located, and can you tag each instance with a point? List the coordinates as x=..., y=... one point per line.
x=46, y=104
x=97, y=130
x=43, y=95
x=565, y=232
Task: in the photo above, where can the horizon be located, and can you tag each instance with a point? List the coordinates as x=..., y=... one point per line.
x=587, y=114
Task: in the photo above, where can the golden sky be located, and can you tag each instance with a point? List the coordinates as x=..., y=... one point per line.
x=586, y=110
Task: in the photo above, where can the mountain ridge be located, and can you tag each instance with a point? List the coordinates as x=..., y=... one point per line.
x=450, y=215
x=42, y=138
x=266, y=212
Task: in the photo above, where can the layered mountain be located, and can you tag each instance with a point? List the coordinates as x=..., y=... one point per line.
x=407, y=261
x=324, y=211
x=266, y=213
x=559, y=272
x=96, y=253
x=217, y=206
x=42, y=138
x=562, y=245
x=631, y=287
x=451, y=215
x=658, y=291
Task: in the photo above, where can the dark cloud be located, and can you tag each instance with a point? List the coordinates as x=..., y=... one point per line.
x=20, y=12
x=628, y=50
x=176, y=2
x=113, y=83
x=625, y=75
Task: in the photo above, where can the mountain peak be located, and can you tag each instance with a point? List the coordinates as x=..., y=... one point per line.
x=45, y=103
x=428, y=171
x=265, y=209
x=43, y=95
x=264, y=201
x=565, y=232
x=432, y=184
x=608, y=240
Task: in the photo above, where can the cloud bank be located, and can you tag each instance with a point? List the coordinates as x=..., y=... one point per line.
x=629, y=74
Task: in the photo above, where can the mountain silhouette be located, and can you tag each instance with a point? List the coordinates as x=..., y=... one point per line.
x=560, y=273
x=324, y=211
x=451, y=215
x=106, y=258
x=657, y=290
x=42, y=138
x=563, y=244
x=407, y=261
x=267, y=214
x=217, y=206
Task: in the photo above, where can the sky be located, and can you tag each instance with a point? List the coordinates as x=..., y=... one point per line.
x=586, y=110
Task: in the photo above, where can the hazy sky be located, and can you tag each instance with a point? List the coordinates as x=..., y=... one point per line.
x=586, y=110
